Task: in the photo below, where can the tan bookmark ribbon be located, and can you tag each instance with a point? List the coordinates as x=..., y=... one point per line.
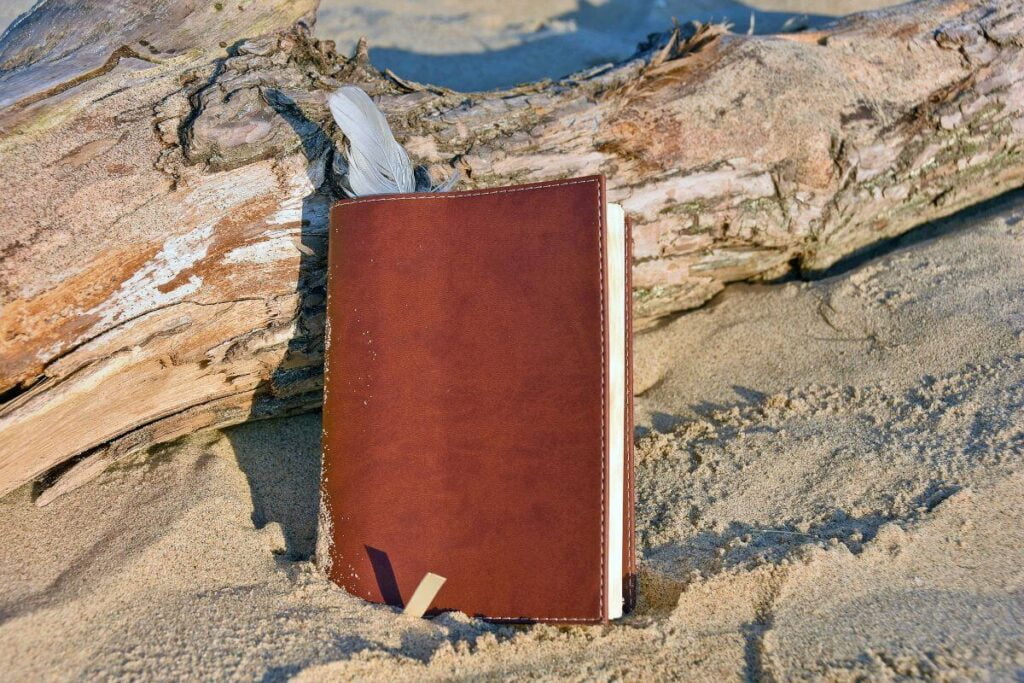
x=424, y=594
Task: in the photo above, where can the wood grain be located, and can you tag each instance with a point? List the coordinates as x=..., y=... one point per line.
x=166, y=185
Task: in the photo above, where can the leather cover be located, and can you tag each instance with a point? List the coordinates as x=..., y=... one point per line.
x=464, y=402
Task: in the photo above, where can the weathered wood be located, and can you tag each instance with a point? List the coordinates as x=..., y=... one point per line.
x=164, y=241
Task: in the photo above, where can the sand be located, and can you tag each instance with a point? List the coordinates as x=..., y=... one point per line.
x=830, y=486
x=495, y=43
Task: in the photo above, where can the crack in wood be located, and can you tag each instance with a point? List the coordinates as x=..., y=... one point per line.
x=111, y=62
x=708, y=139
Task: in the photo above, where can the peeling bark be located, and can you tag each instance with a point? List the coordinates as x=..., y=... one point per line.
x=162, y=260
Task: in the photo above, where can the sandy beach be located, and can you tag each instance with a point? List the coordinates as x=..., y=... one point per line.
x=829, y=486
x=498, y=44
x=830, y=472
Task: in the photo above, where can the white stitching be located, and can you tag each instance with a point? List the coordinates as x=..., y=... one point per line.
x=460, y=195
x=604, y=397
x=582, y=620
x=630, y=591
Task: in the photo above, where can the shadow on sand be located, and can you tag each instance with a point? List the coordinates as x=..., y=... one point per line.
x=590, y=35
x=281, y=458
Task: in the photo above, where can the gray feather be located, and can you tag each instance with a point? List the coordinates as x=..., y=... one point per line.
x=377, y=164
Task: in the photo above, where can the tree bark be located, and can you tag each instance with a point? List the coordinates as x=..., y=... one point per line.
x=166, y=198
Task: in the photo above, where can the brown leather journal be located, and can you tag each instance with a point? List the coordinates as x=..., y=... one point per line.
x=477, y=402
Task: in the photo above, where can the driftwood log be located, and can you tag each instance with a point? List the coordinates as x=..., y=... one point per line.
x=167, y=169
